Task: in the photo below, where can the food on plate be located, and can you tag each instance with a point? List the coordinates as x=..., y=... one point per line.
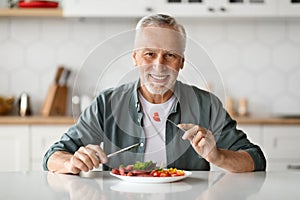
x=146, y=169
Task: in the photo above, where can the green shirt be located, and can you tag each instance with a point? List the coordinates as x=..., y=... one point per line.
x=115, y=118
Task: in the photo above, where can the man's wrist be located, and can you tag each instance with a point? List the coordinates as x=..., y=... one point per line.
x=215, y=156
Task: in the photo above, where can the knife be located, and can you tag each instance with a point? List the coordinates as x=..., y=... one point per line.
x=125, y=149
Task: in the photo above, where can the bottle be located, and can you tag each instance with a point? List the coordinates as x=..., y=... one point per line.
x=230, y=106
x=243, y=107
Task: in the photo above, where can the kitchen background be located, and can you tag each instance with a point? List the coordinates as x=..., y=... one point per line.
x=258, y=59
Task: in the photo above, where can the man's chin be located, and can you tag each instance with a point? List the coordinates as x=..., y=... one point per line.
x=158, y=90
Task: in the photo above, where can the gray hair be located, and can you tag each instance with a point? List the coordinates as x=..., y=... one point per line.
x=161, y=20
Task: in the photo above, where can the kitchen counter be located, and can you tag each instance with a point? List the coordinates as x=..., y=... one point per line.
x=268, y=120
x=200, y=185
x=69, y=120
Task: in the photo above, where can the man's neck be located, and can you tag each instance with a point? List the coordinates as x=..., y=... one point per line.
x=155, y=98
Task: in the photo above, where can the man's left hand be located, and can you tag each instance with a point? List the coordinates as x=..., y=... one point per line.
x=201, y=139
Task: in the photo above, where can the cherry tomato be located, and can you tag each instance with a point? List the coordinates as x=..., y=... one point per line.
x=115, y=171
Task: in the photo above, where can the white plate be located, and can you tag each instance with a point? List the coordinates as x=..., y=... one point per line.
x=139, y=179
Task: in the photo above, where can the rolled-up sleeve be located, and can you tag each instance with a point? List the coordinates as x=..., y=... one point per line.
x=235, y=139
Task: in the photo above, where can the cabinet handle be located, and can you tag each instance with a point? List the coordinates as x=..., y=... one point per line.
x=210, y=9
x=149, y=9
x=293, y=166
x=275, y=142
x=223, y=9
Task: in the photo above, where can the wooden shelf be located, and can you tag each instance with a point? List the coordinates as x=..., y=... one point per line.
x=31, y=12
x=267, y=121
x=16, y=120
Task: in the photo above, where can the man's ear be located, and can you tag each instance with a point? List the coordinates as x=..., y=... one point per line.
x=134, y=58
x=182, y=63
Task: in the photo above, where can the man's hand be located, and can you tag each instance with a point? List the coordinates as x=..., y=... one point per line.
x=204, y=144
x=201, y=139
x=84, y=159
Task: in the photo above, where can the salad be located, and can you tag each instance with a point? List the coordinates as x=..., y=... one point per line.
x=146, y=169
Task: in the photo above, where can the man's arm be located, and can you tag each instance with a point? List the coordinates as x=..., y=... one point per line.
x=204, y=144
x=233, y=161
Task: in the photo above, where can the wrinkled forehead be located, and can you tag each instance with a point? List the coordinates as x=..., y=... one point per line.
x=160, y=38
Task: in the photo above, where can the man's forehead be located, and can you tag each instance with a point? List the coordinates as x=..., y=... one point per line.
x=160, y=38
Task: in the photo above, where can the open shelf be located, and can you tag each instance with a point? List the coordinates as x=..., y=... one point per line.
x=31, y=12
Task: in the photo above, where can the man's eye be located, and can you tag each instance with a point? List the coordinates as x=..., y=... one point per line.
x=150, y=54
x=171, y=55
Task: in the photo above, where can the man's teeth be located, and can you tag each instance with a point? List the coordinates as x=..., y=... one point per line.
x=159, y=77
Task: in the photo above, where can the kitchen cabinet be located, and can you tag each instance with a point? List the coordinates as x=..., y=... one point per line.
x=23, y=146
x=42, y=137
x=254, y=133
x=177, y=8
x=281, y=145
x=289, y=8
x=221, y=8
x=14, y=148
x=105, y=8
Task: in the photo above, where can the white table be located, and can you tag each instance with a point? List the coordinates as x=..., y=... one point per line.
x=200, y=185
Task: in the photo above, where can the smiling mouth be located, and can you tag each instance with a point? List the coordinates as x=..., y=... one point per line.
x=158, y=77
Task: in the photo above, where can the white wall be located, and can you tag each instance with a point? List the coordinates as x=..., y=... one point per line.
x=258, y=58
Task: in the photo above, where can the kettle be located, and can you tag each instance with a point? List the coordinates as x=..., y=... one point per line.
x=24, y=107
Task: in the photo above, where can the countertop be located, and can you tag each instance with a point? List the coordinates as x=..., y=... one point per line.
x=252, y=120
x=200, y=185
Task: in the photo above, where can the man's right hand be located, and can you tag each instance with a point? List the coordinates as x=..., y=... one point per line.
x=84, y=159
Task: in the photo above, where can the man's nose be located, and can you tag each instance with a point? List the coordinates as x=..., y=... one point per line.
x=159, y=63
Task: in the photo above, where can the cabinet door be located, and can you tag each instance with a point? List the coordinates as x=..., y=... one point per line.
x=187, y=8
x=106, y=8
x=281, y=144
x=254, y=133
x=14, y=148
x=248, y=7
x=289, y=7
x=224, y=8
x=42, y=137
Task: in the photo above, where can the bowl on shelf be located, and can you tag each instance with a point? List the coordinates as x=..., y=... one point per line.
x=6, y=105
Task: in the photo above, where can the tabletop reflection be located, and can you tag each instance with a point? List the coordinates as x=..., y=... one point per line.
x=201, y=185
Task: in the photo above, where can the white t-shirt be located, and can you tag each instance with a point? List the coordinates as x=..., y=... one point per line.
x=155, y=116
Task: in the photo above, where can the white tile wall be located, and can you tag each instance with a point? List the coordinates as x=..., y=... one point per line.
x=258, y=58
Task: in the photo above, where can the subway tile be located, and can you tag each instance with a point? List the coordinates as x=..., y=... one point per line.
x=55, y=31
x=225, y=55
x=11, y=55
x=40, y=56
x=256, y=57
x=294, y=82
x=286, y=56
x=4, y=83
x=88, y=32
x=270, y=31
x=293, y=31
x=241, y=83
x=4, y=30
x=271, y=83
x=25, y=30
x=24, y=80
x=240, y=32
x=286, y=104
